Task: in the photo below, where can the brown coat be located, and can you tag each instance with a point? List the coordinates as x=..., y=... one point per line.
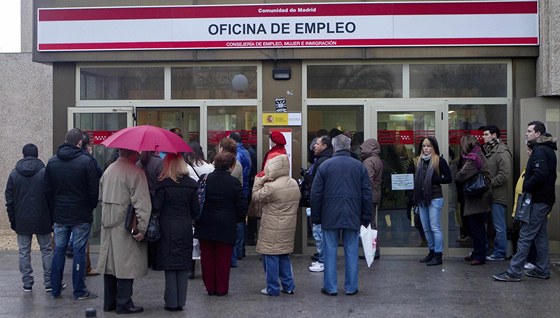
x=279, y=195
x=120, y=254
x=475, y=204
x=374, y=165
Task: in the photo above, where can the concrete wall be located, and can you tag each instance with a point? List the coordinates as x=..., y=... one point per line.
x=25, y=117
x=548, y=64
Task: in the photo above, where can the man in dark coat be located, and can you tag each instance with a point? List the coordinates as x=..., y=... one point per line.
x=341, y=201
x=540, y=181
x=29, y=214
x=72, y=187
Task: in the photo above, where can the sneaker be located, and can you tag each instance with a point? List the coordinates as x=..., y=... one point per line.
x=48, y=289
x=535, y=274
x=27, y=288
x=88, y=295
x=529, y=266
x=316, y=267
x=266, y=293
x=289, y=292
x=505, y=277
x=495, y=258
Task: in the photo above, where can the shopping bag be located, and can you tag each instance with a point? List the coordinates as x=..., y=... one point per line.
x=369, y=243
x=523, y=208
x=196, y=248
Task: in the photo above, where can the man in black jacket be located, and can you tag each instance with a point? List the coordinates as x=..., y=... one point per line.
x=540, y=180
x=29, y=214
x=72, y=186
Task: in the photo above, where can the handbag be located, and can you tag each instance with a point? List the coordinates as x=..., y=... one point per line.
x=523, y=207
x=254, y=210
x=153, y=232
x=476, y=186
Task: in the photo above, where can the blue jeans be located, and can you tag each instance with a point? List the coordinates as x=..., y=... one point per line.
x=330, y=246
x=431, y=222
x=239, y=243
x=499, y=220
x=318, y=236
x=278, y=266
x=535, y=231
x=80, y=232
x=24, y=244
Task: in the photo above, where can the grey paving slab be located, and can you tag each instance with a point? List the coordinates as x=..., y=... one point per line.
x=396, y=286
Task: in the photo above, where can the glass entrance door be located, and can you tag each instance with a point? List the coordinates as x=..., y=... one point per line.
x=100, y=123
x=400, y=132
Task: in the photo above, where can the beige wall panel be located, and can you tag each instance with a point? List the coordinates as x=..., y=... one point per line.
x=26, y=117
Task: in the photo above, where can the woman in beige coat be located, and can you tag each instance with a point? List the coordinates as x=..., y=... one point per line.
x=279, y=196
x=122, y=256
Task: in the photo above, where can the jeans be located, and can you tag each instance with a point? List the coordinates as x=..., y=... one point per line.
x=534, y=231
x=330, y=246
x=499, y=220
x=431, y=222
x=24, y=243
x=80, y=233
x=239, y=243
x=278, y=266
x=318, y=236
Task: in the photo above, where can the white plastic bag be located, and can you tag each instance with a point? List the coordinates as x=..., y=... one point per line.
x=369, y=243
x=196, y=248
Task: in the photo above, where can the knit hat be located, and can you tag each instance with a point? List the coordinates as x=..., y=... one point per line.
x=278, y=138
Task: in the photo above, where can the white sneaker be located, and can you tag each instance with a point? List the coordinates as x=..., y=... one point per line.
x=317, y=267
x=528, y=266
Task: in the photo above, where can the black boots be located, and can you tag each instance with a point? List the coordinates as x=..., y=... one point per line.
x=428, y=257
x=436, y=260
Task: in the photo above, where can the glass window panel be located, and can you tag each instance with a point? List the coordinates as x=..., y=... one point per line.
x=223, y=120
x=458, y=80
x=354, y=81
x=121, y=83
x=348, y=119
x=214, y=82
x=186, y=119
x=463, y=120
x=399, y=134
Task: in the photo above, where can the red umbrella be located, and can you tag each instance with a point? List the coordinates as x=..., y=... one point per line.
x=147, y=138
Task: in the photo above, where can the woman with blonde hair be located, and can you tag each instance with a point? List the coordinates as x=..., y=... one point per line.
x=431, y=171
x=476, y=206
x=176, y=201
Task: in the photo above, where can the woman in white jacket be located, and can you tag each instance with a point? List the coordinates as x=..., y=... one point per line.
x=279, y=197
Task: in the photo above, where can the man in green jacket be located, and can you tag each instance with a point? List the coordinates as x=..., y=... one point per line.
x=499, y=159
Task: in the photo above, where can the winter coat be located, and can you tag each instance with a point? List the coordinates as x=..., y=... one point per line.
x=177, y=205
x=370, y=150
x=540, y=174
x=475, y=204
x=341, y=196
x=224, y=206
x=279, y=195
x=26, y=201
x=245, y=159
x=120, y=254
x=499, y=159
x=72, y=185
x=152, y=167
x=444, y=177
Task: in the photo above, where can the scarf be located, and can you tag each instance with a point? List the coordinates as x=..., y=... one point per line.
x=423, y=181
x=474, y=156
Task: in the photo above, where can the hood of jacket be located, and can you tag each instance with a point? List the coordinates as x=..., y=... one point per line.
x=370, y=148
x=29, y=166
x=68, y=152
x=546, y=139
x=277, y=167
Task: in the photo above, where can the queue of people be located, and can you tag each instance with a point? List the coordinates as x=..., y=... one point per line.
x=343, y=193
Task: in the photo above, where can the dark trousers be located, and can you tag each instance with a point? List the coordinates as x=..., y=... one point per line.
x=477, y=230
x=175, y=288
x=118, y=293
x=215, y=259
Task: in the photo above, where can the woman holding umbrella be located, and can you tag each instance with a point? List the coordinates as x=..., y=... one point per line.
x=176, y=201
